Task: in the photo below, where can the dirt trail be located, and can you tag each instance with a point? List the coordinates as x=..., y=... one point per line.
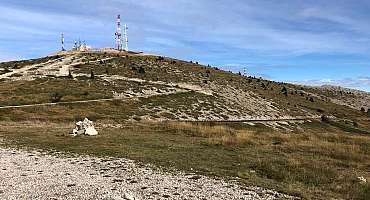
x=93, y=100
x=26, y=68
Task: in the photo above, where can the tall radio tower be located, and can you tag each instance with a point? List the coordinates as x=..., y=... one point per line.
x=119, y=34
x=126, y=37
x=62, y=40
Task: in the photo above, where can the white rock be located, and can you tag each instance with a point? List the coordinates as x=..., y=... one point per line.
x=362, y=179
x=129, y=196
x=84, y=127
x=91, y=131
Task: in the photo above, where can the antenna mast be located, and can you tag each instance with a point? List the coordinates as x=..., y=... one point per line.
x=63, y=49
x=126, y=37
x=119, y=34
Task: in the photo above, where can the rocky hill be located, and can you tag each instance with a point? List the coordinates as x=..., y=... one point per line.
x=186, y=121
x=159, y=88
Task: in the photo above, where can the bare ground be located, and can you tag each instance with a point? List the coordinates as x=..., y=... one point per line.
x=36, y=175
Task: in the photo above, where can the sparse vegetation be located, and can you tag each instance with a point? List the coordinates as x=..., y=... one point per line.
x=320, y=163
x=312, y=160
x=70, y=74
x=141, y=70
x=92, y=76
x=56, y=97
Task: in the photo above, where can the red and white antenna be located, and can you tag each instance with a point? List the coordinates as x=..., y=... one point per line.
x=63, y=49
x=119, y=34
x=126, y=37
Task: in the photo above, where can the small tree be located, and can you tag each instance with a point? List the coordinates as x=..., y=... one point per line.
x=56, y=97
x=311, y=99
x=141, y=70
x=324, y=118
x=92, y=76
x=70, y=74
x=284, y=91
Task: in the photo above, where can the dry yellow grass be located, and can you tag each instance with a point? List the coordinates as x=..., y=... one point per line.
x=320, y=163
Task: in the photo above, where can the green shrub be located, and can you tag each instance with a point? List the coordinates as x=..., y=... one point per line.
x=56, y=97
x=92, y=76
x=141, y=70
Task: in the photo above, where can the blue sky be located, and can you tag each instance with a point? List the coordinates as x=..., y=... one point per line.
x=302, y=41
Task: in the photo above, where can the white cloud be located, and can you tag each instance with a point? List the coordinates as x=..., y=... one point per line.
x=356, y=83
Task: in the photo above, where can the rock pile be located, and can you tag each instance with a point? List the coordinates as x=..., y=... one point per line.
x=85, y=127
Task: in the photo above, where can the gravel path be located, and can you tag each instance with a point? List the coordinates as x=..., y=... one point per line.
x=35, y=175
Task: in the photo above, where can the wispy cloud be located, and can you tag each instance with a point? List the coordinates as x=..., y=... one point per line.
x=264, y=33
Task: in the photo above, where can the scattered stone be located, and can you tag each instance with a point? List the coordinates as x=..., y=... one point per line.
x=129, y=196
x=362, y=179
x=149, y=183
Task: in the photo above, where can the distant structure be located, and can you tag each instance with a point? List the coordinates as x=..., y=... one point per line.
x=119, y=34
x=63, y=47
x=81, y=46
x=126, y=37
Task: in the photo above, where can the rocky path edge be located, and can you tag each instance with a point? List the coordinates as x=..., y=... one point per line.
x=39, y=175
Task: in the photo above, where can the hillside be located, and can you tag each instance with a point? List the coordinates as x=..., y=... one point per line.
x=158, y=88
x=191, y=121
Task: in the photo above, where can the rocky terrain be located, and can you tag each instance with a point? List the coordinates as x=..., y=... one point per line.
x=178, y=90
x=355, y=99
x=38, y=175
x=310, y=142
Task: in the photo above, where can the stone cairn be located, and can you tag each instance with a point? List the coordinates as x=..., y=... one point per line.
x=85, y=127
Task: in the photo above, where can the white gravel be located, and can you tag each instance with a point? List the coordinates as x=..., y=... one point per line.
x=36, y=175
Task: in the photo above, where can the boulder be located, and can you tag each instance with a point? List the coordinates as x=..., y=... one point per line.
x=91, y=131
x=85, y=127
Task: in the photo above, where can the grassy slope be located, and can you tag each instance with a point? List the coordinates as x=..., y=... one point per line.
x=321, y=162
x=295, y=103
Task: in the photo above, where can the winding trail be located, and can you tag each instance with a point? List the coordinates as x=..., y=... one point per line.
x=90, y=101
